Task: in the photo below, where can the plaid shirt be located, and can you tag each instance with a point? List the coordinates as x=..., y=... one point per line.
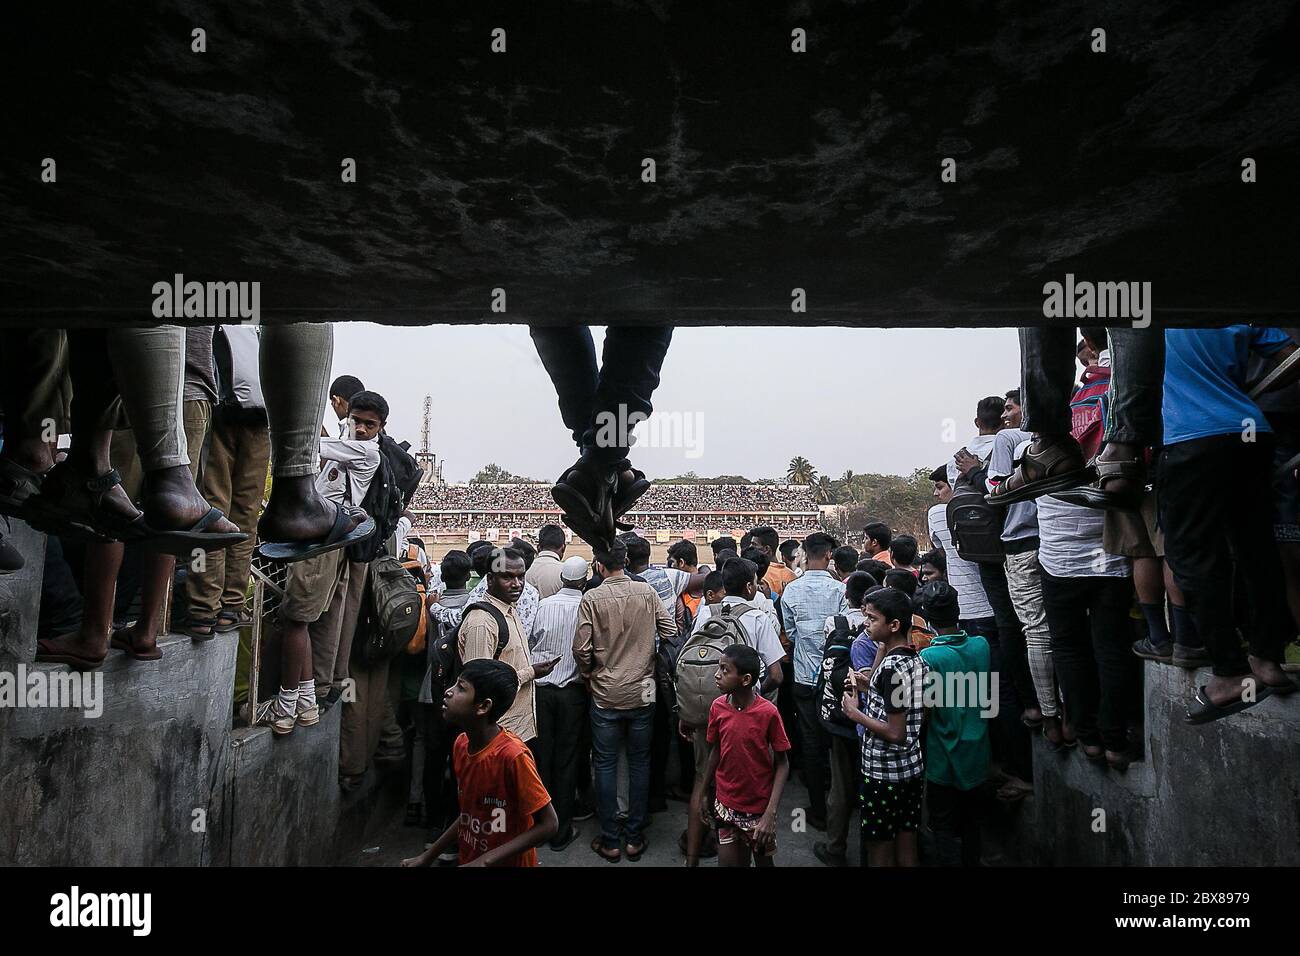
x=899, y=683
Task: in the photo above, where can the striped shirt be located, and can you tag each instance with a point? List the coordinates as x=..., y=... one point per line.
x=963, y=575
x=553, y=629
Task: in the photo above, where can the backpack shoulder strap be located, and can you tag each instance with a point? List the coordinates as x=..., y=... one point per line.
x=503, y=628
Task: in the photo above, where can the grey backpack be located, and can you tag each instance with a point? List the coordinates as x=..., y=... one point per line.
x=697, y=661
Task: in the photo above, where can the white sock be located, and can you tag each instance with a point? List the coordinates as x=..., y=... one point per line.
x=286, y=702
x=307, y=692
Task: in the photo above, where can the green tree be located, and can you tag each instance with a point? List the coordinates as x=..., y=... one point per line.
x=493, y=474
x=800, y=471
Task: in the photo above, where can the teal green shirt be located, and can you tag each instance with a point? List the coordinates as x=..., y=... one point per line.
x=958, y=685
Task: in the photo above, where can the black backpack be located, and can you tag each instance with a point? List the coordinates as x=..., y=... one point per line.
x=976, y=525
x=830, y=681
x=445, y=662
x=395, y=480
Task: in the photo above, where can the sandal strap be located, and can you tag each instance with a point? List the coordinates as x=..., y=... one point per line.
x=104, y=482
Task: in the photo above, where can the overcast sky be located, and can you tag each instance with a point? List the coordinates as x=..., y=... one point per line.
x=870, y=400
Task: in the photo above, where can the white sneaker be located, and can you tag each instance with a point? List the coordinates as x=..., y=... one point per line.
x=308, y=712
x=268, y=715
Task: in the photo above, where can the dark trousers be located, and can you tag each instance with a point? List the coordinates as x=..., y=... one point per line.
x=954, y=816
x=1011, y=634
x=627, y=377
x=60, y=611
x=1008, y=736
x=1207, y=525
x=659, y=751
x=440, y=805
x=1047, y=363
x=1100, y=678
x=561, y=712
x=816, y=749
x=790, y=717
x=612, y=730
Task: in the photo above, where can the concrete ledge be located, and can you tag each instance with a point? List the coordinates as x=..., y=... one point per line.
x=20, y=595
x=1225, y=793
x=159, y=777
x=121, y=788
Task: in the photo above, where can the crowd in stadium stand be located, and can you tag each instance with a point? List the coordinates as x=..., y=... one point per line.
x=660, y=499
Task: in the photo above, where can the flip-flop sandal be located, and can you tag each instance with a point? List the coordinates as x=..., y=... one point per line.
x=338, y=537
x=76, y=661
x=1026, y=488
x=642, y=847
x=626, y=495
x=606, y=854
x=124, y=644
x=183, y=543
x=1207, y=710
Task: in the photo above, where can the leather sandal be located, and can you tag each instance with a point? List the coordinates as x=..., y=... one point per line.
x=1056, y=467
x=1096, y=496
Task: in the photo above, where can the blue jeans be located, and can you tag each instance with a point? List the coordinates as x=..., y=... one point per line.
x=610, y=730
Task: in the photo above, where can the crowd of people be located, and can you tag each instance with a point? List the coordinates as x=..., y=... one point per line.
x=1143, y=512
x=459, y=507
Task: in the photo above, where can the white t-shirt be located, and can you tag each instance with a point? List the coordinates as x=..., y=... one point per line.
x=759, y=627
x=963, y=575
x=979, y=446
x=1069, y=542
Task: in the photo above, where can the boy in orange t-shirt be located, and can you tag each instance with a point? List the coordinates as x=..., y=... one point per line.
x=505, y=811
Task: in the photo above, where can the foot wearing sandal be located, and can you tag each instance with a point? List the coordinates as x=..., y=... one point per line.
x=179, y=520
x=1050, y=464
x=232, y=619
x=1121, y=480
x=129, y=641
x=637, y=850
x=75, y=502
x=1271, y=675
x=201, y=629
x=301, y=523
x=608, y=854
x=73, y=649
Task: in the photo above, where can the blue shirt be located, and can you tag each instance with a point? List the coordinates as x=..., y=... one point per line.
x=806, y=603
x=1205, y=380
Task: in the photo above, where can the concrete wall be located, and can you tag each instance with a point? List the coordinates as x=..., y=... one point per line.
x=1225, y=793
x=20, y=595
x=123, y=788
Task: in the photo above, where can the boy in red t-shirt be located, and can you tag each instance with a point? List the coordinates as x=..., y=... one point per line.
x=747, y=765
x=505, y=812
